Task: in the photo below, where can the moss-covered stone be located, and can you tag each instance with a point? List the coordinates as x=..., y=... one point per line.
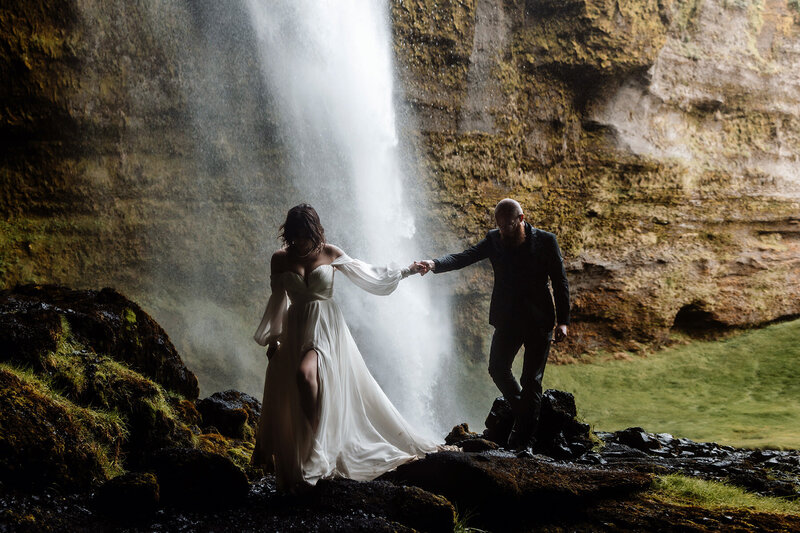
x=85, y=323
x=37, y=333
x=47, y=440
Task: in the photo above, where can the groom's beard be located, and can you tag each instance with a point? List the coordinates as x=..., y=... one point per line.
x=512, y=241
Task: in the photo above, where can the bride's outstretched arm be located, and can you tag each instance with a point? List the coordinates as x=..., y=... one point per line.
x=272, y=322
x=381, y=280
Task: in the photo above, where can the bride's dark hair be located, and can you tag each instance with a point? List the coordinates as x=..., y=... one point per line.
x=302, y=222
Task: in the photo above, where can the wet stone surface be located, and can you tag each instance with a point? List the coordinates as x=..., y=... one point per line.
x=767, y=472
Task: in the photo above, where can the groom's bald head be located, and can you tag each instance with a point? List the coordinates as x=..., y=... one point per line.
x=507, y=207
x=508, y=215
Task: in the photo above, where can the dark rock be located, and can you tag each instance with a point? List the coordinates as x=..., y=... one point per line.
x=504, y=492
x=233, y=413
x=91, y=348
x=410, y=506
x=558, y=434
x=197, y=479
x=467, y=440
x=638, y=438
x=27, y=331
x=499, y=422
x=768, y=472
x=130, y=497
x=477, y=445
x=459, y=433
x=31, y=323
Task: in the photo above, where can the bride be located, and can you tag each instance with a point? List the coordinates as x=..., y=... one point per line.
x=323, y=413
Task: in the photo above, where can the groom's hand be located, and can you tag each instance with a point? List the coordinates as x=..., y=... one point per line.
x=426, y=266
x=560, y=333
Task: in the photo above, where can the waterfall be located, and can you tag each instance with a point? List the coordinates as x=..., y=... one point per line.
x=329, y=68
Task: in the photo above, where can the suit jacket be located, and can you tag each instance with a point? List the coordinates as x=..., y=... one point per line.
x=521, y=292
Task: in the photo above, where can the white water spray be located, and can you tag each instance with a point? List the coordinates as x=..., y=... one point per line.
x=328, y=64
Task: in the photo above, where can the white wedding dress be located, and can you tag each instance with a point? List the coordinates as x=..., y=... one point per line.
x=360, y=433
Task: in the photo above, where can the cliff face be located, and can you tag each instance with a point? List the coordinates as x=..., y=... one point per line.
x=660, y=140
x=134, y=141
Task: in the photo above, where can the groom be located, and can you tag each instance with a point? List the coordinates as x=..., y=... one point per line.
x=521, y=310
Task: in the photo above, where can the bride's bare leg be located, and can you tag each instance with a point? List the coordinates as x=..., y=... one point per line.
x=307, y=382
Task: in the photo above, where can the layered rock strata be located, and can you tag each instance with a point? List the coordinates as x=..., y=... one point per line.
x=659, y=140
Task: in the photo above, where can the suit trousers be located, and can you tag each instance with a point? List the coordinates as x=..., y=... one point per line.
x=526, y=400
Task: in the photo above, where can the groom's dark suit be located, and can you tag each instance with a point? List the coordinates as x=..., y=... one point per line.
x=521, y=309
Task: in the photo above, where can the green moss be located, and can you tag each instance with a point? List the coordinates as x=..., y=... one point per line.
x=237, y=450
x=100, y=384
x=433, y=41
x=77, y=444
x=129, y=316
x=593, y=37
x=794, y=5
x=686, y=17
x=682, y=490
x=44, y=249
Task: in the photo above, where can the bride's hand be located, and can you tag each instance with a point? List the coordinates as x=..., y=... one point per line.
x=417, y=268
x=271, y=349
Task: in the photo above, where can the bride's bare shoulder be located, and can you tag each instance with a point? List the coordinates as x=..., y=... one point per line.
x=333, y=251
x=278, y=261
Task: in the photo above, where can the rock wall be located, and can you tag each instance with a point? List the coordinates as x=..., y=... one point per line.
x=659, y=139
x=139, y=152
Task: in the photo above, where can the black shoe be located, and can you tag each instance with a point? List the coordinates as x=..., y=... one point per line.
x=521, y=436
x=516, y=438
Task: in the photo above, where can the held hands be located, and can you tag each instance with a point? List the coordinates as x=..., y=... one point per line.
x=422, y=267
x=560, y=333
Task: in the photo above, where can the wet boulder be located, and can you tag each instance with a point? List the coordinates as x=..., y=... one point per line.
x=505, y=492
x=477, y=445
x=198, y=479
x=499, y=422
x=233, y=413
x=768, y=472
x=559, y=434
x=409, y=506
x=37, y=319
x=100, y=352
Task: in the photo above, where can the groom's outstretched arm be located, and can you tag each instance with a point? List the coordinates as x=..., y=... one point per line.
x=471, y=255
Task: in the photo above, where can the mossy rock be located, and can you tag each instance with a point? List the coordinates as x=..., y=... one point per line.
x=235, y=414
x=237, y=450
x=46, y=440
x=104, y=322
x=37, y=332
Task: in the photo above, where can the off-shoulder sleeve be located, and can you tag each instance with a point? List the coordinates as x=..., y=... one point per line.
x=272, y=322
x=375, y=279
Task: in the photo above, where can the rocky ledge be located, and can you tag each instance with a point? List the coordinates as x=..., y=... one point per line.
x=101, y=429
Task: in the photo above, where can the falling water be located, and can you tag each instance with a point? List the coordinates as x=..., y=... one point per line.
x=329, y=66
